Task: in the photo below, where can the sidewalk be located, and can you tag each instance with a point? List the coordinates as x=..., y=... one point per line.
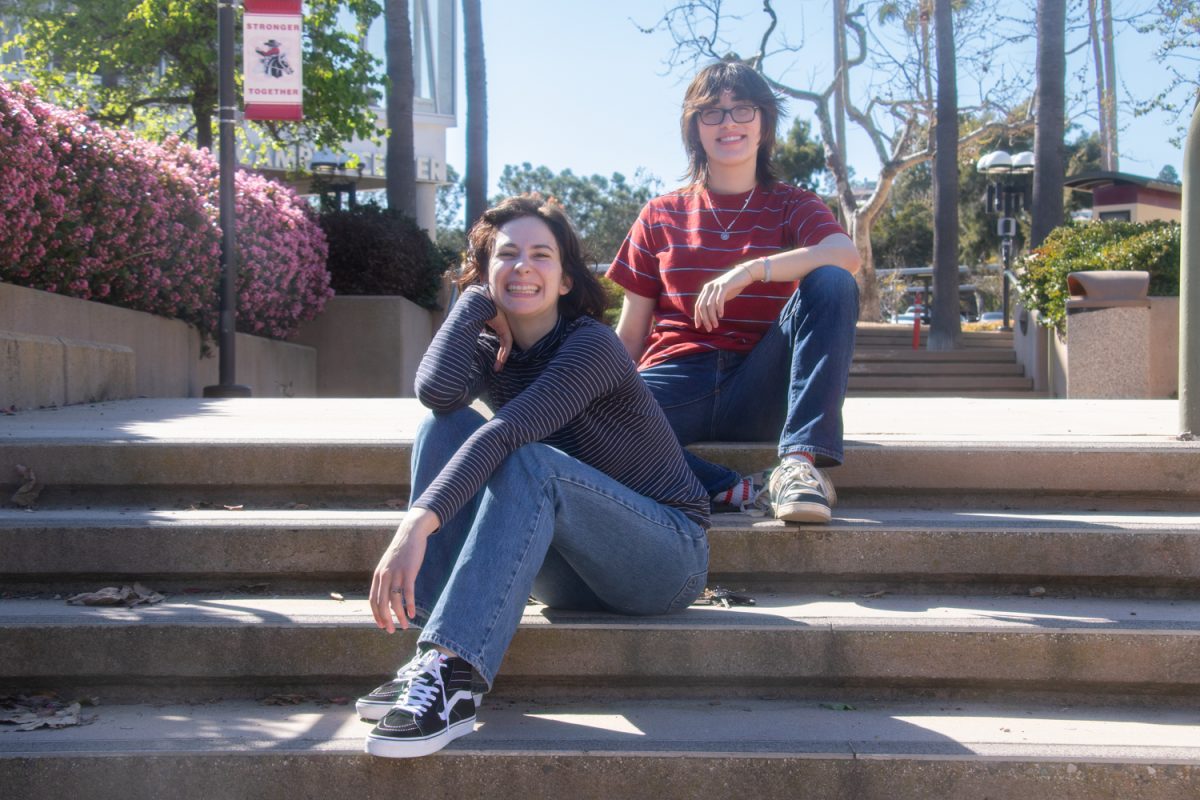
x=873, y=420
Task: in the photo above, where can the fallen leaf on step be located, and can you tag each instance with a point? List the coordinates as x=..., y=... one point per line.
x=283, y=700
x=1037, y=591
x=27, y=495
x=30, y=712
x=396, y=503
x=8, y=411
x=298, y=506
x=234, y=508
x=127, y=596
x=337, y=596
x=838, y=706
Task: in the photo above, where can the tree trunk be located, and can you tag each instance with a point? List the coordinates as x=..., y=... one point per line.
x=476, y=68
x=204, y=135
x=946, y=333
x=841, y=65
x=1101, y=89
x=401, y=169
x=1110, y=84
x=1048, y=174
x=868, y=286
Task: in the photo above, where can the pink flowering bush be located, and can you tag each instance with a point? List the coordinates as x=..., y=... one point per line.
x=99, y=214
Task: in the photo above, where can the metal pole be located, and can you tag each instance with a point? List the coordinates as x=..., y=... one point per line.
x=227, y=117
x=1006, y=246
x=1189, y=285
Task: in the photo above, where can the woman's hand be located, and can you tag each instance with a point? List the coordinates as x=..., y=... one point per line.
x=499, y=324
x=710, y=303
x=394, y=583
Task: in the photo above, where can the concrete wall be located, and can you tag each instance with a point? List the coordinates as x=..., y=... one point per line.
x=1029, y=344
x=166, y=353
x=1164, y=347
x=368, y=346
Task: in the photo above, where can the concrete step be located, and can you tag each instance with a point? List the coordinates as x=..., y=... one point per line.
x=866, y=355
x=960, y=395
x=306, y=450
x=954, y=381
x=914, y=369
x=901, y=336
x=191, y=647
x=909, y=550
x=759, y=748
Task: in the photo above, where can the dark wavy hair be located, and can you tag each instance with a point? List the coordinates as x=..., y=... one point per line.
x=586, y=297
x=705, y=90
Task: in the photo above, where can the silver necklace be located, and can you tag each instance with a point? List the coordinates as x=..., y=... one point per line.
x=725, y=228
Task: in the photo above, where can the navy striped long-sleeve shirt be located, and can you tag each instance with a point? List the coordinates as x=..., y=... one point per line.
x=576, y=389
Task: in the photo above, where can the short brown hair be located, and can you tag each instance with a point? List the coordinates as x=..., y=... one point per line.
x=705, y=90
x=586, y=297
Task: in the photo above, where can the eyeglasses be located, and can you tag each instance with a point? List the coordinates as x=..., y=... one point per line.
x=715, y=116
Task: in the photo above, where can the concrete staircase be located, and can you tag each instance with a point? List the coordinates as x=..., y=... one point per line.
x=885, y=363
x=1005, y=607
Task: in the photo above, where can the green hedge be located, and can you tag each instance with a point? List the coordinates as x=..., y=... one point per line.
x=380, y=251
x=1079, y=247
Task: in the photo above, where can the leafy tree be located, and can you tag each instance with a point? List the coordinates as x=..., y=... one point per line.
x=602, y=208
x=799, y=158
x=153, y=64
x=1168, y=174
x=1178, y=24
x=451, y=234
x=903, y=233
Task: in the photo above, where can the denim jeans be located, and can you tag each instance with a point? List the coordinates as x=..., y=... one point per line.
x=789, y=388
x=548, y=525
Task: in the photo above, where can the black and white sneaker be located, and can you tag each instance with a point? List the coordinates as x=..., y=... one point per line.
x=379, y=701
x=436, y=708
x=800, y=493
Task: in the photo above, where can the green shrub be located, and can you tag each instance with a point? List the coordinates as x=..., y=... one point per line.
x=381, y=251
x=616, y=296
x=1078, y=247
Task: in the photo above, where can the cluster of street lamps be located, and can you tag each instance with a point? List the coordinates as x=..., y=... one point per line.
x=1007, y=194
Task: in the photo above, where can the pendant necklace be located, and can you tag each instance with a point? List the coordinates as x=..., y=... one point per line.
x=713, y=209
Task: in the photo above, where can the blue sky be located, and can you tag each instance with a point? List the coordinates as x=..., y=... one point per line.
x=574, y=84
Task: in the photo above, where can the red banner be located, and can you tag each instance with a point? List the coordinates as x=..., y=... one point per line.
x=271, y=59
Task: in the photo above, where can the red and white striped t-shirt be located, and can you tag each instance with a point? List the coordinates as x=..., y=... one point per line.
x=675, y=247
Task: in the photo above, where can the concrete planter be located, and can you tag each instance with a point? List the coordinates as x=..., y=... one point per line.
x=1046, y=357
x=368, y=346
x=60, y=350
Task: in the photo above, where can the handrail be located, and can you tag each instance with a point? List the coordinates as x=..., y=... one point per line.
x=1189, y=286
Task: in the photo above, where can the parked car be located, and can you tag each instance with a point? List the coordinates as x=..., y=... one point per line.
x=992, y=316
x=908, y=316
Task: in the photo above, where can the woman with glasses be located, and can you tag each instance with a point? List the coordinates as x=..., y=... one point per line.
x=740, y=301
x=574, y=491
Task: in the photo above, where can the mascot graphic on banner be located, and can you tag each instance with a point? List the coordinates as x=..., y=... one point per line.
x=273, y=59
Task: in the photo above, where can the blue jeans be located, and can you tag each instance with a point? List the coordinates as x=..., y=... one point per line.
x=790, y=387
x=548, y=525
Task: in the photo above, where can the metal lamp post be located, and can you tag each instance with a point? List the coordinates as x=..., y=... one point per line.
x=227, y=117
x=1006, y=195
